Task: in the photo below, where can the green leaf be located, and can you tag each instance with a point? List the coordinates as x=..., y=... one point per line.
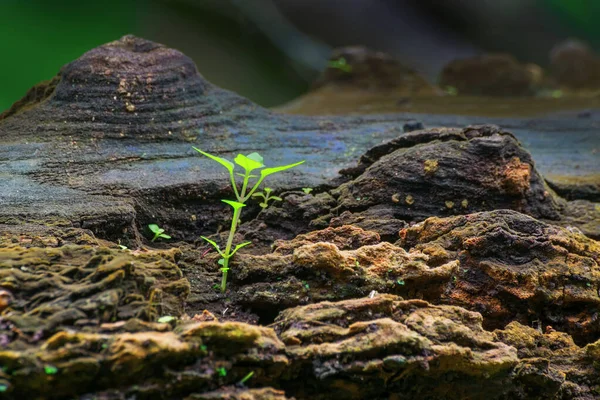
x=268, y=190
x=154, y=228
x=275, y=198
x=263, y=205
x=268, y=171
x=214, y=244
x=226, y=163
x=256, y=157
x=340, y=64
x=258, y=195
x=247, y=163
x=239, y=246
x=235, y=204
x=221, y=261
x=50, y=370
x=162, y=235
x=166, y=319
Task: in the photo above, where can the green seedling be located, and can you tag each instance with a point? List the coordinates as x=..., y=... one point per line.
x=340, y=64
x=158, y=232
x=266, y=196
x=307, y=190
x=166, y=319
x=222, y=371
x=246, y=378
x=50, y=370
x=249, y=163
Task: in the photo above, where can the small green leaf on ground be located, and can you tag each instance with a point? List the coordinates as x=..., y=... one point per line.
x=50, y=370
x=166, y=319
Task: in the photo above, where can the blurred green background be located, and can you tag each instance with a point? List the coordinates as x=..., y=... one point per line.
x=271, y=50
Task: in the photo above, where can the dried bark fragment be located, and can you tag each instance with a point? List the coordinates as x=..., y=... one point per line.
x=81, y=286
x=313, y=268
x=359, y=68
x=575, y=66
x=157, y=365
x=345, y=237
x=516, y=268
x=477, y=168
x=492, y=75
x=386, y=346
x=551, y=365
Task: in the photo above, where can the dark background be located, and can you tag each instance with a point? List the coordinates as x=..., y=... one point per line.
x=270, y=50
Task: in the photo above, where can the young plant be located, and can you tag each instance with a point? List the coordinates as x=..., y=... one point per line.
x=246, y=378
x=158, y=232
x=266, y=197
x=340, y=64
x=249, y=163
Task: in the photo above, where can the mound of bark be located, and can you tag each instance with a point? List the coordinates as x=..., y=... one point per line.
x=491, y=75
x=334, y=264
x=367, y=348
x=432, y=172
x=514, y=267
x=504, y=264
x=574, y=66
x=47, y=289
x=202, y=357
x=551, y=365
x=357, y=67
